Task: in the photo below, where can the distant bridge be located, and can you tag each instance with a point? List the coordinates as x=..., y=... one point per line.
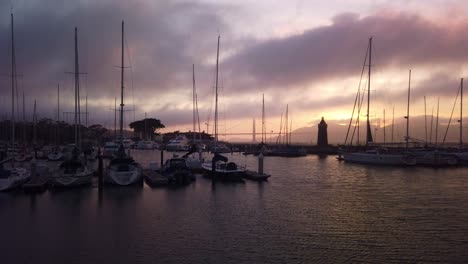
x=258, y=134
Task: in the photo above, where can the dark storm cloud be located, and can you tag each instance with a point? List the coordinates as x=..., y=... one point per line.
x=160, y=37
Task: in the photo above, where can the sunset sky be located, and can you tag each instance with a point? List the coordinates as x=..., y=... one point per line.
x=308, y=54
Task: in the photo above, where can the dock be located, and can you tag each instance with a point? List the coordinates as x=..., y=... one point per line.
x=39, y=180
x=154, y=178
x=255, y=176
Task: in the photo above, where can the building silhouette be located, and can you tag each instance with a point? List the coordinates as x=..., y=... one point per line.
x=322, y=138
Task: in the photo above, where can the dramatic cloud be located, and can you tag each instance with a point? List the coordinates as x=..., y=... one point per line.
x=315, y=71
x=163, y=40
x=401, y=39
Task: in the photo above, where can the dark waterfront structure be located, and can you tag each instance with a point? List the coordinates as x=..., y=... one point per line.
x=322, y=138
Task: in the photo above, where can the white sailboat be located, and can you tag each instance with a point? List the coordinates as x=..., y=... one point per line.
x=435, y=156
x=122, y=169
x=13, y=177
x=378, y=156
x=219, y=167
x=74, y=172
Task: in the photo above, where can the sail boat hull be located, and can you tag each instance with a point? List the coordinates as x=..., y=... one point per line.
x=55, y=156
x=17, y=177
x=435, y=158
x=82, y=176
x=123, y=174
x=229, y=172
x=376, y=158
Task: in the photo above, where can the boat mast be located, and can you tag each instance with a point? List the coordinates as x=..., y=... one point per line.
x=369, y=132
x=461, y=112
x=193, y=101
x=216, y=95
x=437, y=121
x=384, y=138
x=58, y=115
x=278, y=140
x=58, y=102
x=290, y=130
x=24, y=122
x=263, y=120
x=407, y=112
x=198, y=118
x=425, y=117
x=359, y=121
x=76, y=86
x=115, y=118
x=144, y=134
x=13, y=82
x=86, y=110
x=393, y=121
x=286, y=130
x=122, y=87
x=253, y=131
x=432, y=122
x=34, y=124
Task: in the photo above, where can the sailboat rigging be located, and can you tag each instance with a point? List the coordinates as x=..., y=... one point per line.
x=219, y=167
x=374, y=156
x=122, y=169
x=74, y=172
x=14, y=176
x=369, y=132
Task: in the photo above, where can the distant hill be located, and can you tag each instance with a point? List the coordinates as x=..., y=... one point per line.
x=337, y=130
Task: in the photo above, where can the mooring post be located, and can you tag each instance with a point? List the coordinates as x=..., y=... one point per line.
x=100, y=169
x=34, y=168
x=213, y=169
x=260, y=164
x=162, y=159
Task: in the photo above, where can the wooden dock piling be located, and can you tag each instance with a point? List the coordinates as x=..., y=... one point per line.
x=100, y=169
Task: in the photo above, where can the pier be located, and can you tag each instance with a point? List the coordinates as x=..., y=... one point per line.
x=154, y=178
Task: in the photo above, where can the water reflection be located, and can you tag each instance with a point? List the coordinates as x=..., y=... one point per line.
x=311, y=210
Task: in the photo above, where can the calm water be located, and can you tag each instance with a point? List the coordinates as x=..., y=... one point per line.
x=311, y=211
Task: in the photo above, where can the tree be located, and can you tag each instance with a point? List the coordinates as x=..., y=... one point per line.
x=96, y=132
x=152, y=126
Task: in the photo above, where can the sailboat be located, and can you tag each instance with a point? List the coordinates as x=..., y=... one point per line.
x=287, y=150
x=74, y=172
x=56, y=154
x=122, y=169
x=220, y=168
x=13, y=177
x=377, y=156
x=23, y=155
x=435, y=156
x=262, y=147
x=192, y=162
x=462, y=154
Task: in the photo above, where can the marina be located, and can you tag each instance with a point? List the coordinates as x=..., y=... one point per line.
x=227, y=132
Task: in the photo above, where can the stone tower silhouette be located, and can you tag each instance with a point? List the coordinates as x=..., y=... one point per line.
x=322, y=138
